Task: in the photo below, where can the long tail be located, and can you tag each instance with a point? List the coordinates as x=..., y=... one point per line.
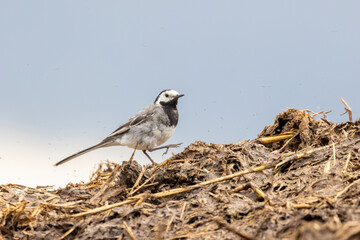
x=100, y=145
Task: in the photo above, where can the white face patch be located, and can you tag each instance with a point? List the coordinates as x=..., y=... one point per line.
x=167, y=96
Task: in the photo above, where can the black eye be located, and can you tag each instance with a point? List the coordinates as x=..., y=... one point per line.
x=166, y=95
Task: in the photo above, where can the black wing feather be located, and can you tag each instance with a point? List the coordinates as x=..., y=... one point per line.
x=137, y=120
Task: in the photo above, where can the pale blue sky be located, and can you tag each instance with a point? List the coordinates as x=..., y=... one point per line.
x=73, y=71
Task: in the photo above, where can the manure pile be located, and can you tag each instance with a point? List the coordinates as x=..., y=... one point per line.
x=300, y=179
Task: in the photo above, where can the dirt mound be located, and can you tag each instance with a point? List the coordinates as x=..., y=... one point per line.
x=299, y=180
x=307, y=131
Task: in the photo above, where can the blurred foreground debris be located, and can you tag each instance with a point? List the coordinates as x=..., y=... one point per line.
x=299, y=180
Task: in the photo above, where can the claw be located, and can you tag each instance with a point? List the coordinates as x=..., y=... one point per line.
x=171, y=146
x=166, y=151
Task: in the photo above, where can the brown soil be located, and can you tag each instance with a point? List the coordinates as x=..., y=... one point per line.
x=306, y=186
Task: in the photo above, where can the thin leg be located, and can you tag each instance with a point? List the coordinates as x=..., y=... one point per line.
x=132, y=156
x=167, y=147
x=144, y=151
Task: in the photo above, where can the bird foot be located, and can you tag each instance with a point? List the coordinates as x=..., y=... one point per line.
x=166, y=147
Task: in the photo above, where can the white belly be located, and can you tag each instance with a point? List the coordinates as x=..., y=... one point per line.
x=145, y=140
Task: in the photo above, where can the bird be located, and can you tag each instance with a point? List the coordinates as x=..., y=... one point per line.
x=148, y=129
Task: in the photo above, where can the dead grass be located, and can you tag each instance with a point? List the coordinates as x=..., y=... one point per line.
x=298, y=180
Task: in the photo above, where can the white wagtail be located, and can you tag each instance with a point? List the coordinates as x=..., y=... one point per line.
x=148, y=129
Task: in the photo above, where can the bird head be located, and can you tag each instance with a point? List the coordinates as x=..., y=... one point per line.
x=168, y=97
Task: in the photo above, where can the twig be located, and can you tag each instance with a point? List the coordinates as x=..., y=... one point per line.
x=301, y=205
x=141, y=199
x=138, y=180
x=182, y=211
x=288, y=141
x=347, y=109
x=327, y=167
x=276, y=138
x=231, y=228
x=240, y=188
x=68, y=233
x=326, y=121
x=37, y=211
x=318, y=113
x=169, y=223
x=347, y=161
x=325, y=113
x=334, y=153
x=297, y=156
x=259, y=192
x=142, y=185
x=346, y=188
x=104, y=208
x=193, y=235
x=128, y=230
x=220, y=179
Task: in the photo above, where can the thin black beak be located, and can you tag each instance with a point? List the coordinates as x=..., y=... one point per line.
x=179, y=96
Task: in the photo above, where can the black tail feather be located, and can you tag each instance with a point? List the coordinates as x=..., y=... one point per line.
x=100, y=145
